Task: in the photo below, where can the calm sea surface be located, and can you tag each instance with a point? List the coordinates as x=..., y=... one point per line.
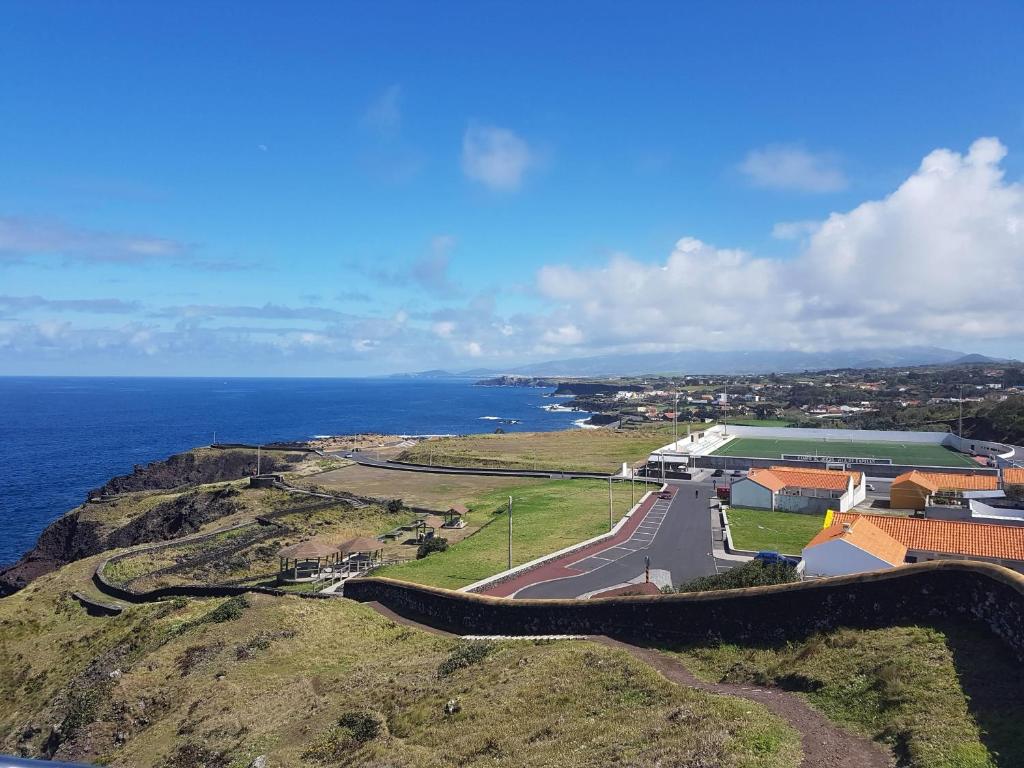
x=61, y=437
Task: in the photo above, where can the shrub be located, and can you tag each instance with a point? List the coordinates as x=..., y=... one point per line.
x=394, y=506
x=465, y=655
x=353, y=730
x=754, y=573
x=436, y=544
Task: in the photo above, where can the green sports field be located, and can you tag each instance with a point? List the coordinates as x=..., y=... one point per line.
x=900, y=453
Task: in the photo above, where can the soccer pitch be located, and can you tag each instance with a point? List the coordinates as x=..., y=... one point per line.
x=922, y=454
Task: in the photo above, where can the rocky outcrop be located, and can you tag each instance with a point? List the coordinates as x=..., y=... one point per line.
x=193, y=468
x=82, y=532
x=595, y=388
x=516, y=381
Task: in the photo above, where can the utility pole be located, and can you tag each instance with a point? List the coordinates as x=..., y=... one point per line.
x=725, y=411
x=632, y=490
x=609, y=502
x=510, y=532
x=215, y=437
x=675, y=421
x=663, y=466
x=258, y=459
x=961, y=428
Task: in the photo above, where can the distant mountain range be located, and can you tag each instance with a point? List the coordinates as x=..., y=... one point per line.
x=723, y=362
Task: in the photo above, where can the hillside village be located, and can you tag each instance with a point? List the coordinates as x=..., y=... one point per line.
x=921, y=398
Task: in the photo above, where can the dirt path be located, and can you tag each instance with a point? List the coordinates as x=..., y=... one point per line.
x=825, y=744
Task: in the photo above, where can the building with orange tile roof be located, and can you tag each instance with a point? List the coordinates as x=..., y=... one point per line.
x=799, y=489
x=913, y=490
x=930, y=539
x=852, y=547
x=1013, y=477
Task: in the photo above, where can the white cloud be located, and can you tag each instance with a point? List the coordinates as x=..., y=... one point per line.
x=384, y=115
x=792, y=167
x=495, y=157
x=794, y=230
x=444, y=329
x=940, y=260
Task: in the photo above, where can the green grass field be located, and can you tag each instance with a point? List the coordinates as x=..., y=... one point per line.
x=546, y=517
x=939, y=697
x=901, y=453
x=786, y=532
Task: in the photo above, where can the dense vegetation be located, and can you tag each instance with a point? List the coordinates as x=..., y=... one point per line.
x=752, y=573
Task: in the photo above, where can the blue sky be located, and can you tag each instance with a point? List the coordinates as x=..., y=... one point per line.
x=346, y=189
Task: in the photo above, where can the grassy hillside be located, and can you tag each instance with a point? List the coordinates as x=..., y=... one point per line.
x=330, y=682
x=547, y=516
x=940, y=699
x=581, y=450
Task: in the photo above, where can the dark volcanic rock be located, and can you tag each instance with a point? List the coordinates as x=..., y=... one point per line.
x=191, y=469
x=74, y=536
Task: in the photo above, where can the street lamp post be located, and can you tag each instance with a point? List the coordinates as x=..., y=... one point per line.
x=609, y=502
x=675, y=422
x=510, y=532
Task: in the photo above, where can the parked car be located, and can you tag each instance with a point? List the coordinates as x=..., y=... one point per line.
x=870, y=487
x=736, y=473
x=770, y=557
x=667, y=495
x=717, y=473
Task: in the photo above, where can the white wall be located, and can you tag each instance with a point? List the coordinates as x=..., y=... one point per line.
x=839, y=557
x=863, y=435
x=747, y=493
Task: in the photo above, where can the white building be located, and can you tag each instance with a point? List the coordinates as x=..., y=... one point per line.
x=851, y=547
x=799, y=489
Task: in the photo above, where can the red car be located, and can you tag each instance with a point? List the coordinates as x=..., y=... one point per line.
x=667, y=495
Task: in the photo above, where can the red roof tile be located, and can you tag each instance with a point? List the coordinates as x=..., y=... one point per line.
x=998, y=542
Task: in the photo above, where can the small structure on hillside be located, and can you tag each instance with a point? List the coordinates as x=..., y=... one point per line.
x=361, y=553
x=455, y=516
x=306, y=561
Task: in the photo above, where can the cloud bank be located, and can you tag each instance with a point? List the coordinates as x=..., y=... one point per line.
x=940, y=259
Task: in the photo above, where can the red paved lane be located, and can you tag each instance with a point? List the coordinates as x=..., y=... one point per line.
x=561, y=567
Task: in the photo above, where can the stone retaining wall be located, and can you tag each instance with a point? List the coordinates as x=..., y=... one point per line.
x=933, y=592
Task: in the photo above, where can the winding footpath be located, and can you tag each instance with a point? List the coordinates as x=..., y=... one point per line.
x=824, y=744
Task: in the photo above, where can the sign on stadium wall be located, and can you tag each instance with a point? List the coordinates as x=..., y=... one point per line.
x=834, y=459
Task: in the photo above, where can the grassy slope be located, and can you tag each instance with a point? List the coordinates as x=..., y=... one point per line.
x=583, y=450
x=789, y=531
x=546, y=517
x=277, y=679
x=900, y=453
x=257, y=561
x=431, y=491
x=948, y=699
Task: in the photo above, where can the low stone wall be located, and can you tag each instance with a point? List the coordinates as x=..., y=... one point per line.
x=938, y=591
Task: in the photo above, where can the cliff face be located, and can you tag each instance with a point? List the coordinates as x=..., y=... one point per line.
x=84, y=531
x=593, y=388
x=193, y=468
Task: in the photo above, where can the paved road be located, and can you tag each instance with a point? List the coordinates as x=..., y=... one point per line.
x=676, y=536
x=363, y=458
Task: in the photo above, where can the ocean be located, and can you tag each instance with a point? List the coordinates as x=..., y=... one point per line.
x=61, y=437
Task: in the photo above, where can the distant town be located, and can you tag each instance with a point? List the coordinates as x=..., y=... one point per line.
x=985, y=399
